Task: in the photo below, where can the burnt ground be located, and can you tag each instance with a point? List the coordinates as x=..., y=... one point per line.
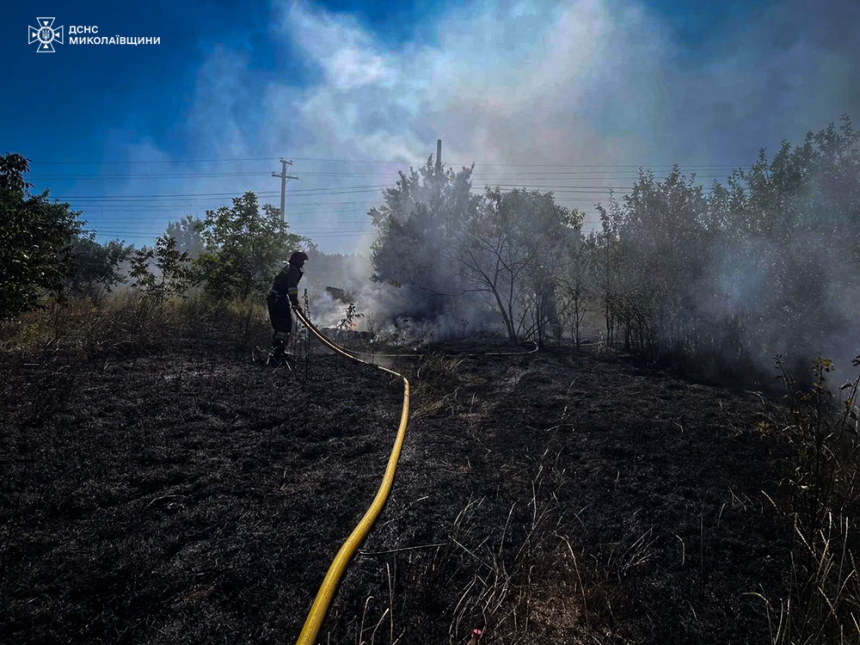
x=189, y=495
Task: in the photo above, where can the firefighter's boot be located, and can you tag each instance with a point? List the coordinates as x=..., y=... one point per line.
x=278, y=355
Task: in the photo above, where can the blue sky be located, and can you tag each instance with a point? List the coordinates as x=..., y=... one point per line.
x=558, y=95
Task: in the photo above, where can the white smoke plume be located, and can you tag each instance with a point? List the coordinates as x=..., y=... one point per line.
x=598, y=82
x=591, y=82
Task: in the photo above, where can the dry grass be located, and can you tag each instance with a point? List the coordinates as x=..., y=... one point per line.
x=519, y=581
x=822, y=489
x=435, y=386
x=130, y=320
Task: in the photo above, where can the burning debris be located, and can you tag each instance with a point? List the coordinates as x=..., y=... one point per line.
x=340, y=294
x=338, y=334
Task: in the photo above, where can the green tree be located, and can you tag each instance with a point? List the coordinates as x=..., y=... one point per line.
x=174, y=270
x=244, y=249
x=189, y=235
x=35, y=240
x=510, y=251
x=791, y=236
x=767, y=264
x=97, y=266
x=607, y=263
x=418, y=226
x=548, y=233
x=439, y=239
x=576, y=285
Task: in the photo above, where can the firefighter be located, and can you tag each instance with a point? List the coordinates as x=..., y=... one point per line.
x=282, y=298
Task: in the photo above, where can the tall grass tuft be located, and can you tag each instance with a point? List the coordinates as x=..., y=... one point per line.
x=821, y=484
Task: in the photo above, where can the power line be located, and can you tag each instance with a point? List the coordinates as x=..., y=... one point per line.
x=80, y=177
x=400, y=162
x=110, y=210
x=357, y=228
x=330, y=191
x=476, y=178
x=94, y=163
x=126, y=231
x=337, y=190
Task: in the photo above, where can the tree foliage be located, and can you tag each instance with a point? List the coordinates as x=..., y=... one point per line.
x=174, y=274
x=96, y=266
x=437, y=237
x=244, y=249
x=511, y=251
x=188, y=233
x=418, y=225
x=35, y=240
x=575, y=288
x=767, y=264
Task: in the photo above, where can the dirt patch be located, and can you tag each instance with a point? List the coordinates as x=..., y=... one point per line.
x=194, y=496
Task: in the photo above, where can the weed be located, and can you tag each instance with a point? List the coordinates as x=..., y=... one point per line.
x=821, y=483
x=349, y=318
x=519, y=578
x=436, y=381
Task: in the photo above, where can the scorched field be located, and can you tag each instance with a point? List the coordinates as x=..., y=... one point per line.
x=187, y=494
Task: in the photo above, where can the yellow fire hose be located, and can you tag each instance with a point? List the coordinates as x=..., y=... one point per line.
x=335, y=572
x=326, y=592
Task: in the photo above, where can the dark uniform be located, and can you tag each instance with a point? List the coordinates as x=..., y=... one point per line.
x=284, y=293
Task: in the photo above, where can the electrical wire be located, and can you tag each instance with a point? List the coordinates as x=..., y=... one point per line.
x=116, y=216
x=400, y=162
x=475, y=177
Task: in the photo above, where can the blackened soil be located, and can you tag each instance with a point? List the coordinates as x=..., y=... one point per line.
x=198, y=497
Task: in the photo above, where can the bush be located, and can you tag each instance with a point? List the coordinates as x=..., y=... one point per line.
x=821, y=481
x=35, y=241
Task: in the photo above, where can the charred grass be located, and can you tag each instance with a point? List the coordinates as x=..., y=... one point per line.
x=171, y=490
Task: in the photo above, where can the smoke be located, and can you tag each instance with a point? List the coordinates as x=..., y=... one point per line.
x=400, y=313
x=598, y=82
x=782, y=278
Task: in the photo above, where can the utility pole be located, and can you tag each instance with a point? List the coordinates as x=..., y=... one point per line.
x=438, y=155
x=284, y=176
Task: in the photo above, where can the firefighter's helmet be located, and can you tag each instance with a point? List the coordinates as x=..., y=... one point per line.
x=299, y=258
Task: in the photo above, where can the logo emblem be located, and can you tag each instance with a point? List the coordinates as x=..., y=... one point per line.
x=45, y=35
